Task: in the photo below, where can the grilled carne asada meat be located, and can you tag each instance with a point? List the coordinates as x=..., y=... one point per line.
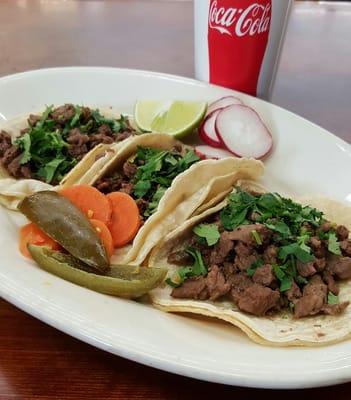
x=287, y=257
x=55, y=141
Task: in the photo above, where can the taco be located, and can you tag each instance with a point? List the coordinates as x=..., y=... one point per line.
x=277, y=269
x=39, y=152
x=168, y=181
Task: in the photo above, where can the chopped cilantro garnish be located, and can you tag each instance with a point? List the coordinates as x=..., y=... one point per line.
x=209, y=232
x=300, y=280
x=252, y=269
x=333, y=244
x=116, y=125
x=152, y=207
x=198, y=268
x=156, y=172
x=297, y=251
x=332, y=299
x=257, y=237
x=45, y=148
x=285, y=283
x=279, y=227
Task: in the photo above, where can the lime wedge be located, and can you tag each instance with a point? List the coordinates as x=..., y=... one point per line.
x=176, y=118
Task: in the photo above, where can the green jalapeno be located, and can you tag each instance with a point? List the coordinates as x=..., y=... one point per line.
x=120, y=280
x=67, y=225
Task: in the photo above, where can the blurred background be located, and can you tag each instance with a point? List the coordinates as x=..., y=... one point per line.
x=158, y=35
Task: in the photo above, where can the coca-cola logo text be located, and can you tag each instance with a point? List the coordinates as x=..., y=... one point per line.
x=238, y=21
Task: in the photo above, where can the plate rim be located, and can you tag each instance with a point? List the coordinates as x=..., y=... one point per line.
x=317, y=379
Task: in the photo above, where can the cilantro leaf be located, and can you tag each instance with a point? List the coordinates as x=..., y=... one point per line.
x=116, y=125
x=252, y=269
x=278, y=271
x=285, y=283
x=279, y=227
x=257, y=237
x=198, y=268
x=209, y=232
x=301, y=241
x=183, y=273
x=141, y=188
x=301, y=280
x=24, y=143
x=333, y=244
x=48, y=171
x=74, y=121
x=332, y=299
x=152, y=207
x=156, y=171
x=297, y=251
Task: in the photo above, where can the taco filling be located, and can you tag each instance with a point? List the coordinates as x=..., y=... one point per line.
x=147, y=175
x=53, y=142
x=265, y=254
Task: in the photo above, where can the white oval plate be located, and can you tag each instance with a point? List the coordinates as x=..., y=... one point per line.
x=306, y=159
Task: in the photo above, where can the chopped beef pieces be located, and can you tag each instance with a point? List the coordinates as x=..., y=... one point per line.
x=306, y=269
x=19, y=170
x=342, y=232
x=10, y=154
x=318, y=247
x=63, y=114
x=77, y=143
x=216, y=284
x=243, y=233
x=313, y=299
x=326, y=226
x=270, y=254
x=335, y=309
x=258, y=299
x=109, y=184
x=345, y=246
x=5, y=142
x=264, y=275
x=212, y=287
x=142, y=205
x=320, y=264
x=329, y=280
x=242, y=260
x=264, y=278
x=81, y=136
x=222, y=249
x=293, y=293
x=124, y=135
x=340, y=266
x=179, y=257
x=33, y=119
x=193, y=288
x=127, y=187
x=98, y=138
x=239, y=282
x=129, y=169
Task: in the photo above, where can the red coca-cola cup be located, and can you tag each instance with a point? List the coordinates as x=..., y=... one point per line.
x=238, y=42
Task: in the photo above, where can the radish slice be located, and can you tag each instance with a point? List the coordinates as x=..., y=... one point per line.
x=223, y=102
x=211, y=152
x=242, y=132
x=207, y=131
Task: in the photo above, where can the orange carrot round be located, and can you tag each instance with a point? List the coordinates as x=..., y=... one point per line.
x=90, y=201
x=32, y=234
x=105, y=235
x=125, y=220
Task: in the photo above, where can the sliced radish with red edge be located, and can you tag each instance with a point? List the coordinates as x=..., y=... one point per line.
x=207, y=131
x=205, y=151
x=242, y=132
x=222, y=102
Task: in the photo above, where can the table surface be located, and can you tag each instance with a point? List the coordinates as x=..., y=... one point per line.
x=314, y=80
